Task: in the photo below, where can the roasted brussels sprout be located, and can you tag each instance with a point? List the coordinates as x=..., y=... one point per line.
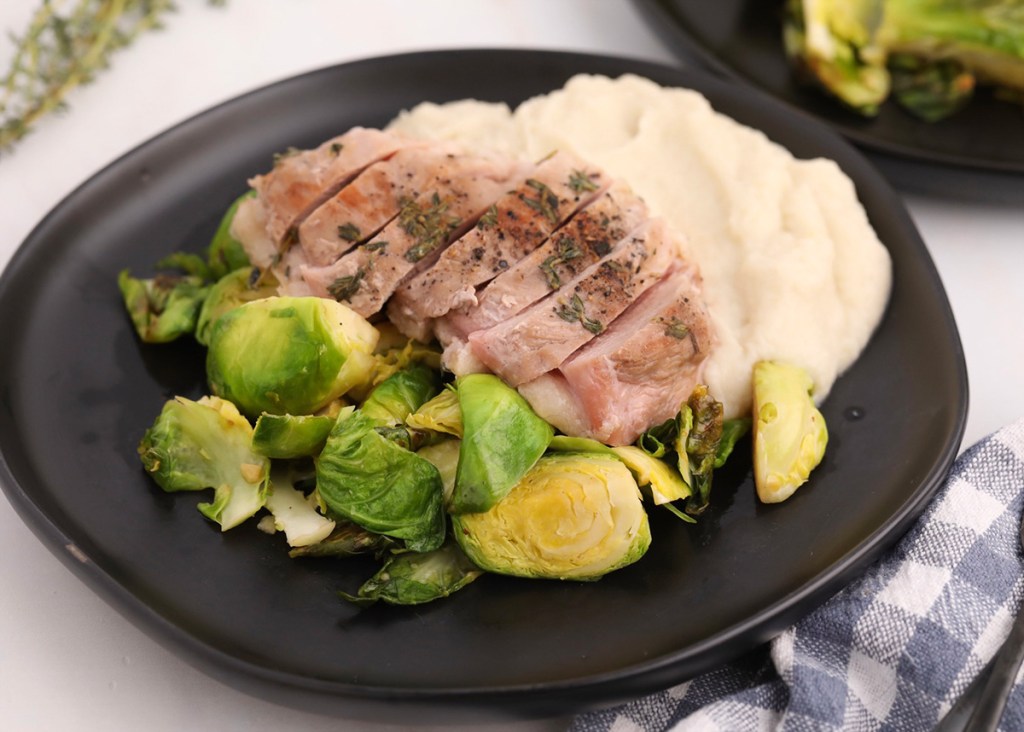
x=163, y=308
x=347, y=540
x=789, y=431
x=288, y=355
x=502, y=439
x=368, y=479
x=573, y=516
x=207, y=444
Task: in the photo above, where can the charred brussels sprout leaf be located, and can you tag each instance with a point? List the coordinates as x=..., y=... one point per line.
x=413, y=578
x=163, y=308
x=702, y=442
x=575, y=516
x=502, y=439
x=789, y=431
x=206, y=444
x=288, y=355
x=384, y=488
x=230, y=291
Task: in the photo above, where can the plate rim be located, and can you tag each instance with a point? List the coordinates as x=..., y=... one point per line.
x=629, y=681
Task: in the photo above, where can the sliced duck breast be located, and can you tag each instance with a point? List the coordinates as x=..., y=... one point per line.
x=541, y=337
x=637, y=373
x=366, y=277
x=515, y=225
x=302, y=179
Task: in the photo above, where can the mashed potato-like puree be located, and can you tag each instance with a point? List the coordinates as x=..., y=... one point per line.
x=792, y=269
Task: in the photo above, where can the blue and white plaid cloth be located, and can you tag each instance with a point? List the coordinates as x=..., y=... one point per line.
x=895, y=649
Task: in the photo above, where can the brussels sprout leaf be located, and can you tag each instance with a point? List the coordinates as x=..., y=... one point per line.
x=225, y=253
x=412, y=578
x=702, y=443
x=230, y=291
x=347, y=540
x=291, y=436
x=384, y=488
x=400, y=395
x=440, y=414
x=733, y=430
x=502, y=439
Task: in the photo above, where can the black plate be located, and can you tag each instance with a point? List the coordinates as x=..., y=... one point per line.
x=976, y=153
x=77, y=390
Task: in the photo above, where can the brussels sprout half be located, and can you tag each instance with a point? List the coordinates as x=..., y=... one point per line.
x=789, y=432
x=288, y=355
x=573, y=516
x=163, y=308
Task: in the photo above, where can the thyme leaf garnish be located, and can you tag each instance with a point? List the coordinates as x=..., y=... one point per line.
x=430, y=225
x=345, y=287
x=490, y=219
x=336, y=147
x=565, y=250
x=580, y=181
x=574, y=311
x=676, y=328
x=546, y=202
x=349, y=232
x=376, y=246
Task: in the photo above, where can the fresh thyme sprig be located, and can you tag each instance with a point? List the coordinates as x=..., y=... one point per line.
x=62, y=50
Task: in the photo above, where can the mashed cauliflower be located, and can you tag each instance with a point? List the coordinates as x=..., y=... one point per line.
x=792, y=269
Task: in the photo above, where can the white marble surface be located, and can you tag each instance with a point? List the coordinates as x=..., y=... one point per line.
x=68, y=661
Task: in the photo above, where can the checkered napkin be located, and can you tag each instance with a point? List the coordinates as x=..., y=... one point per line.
x=895, y=649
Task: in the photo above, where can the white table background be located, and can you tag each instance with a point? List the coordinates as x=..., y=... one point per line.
x=70, y=662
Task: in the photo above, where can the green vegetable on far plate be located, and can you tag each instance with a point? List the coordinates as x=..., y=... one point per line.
x=928, y=53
